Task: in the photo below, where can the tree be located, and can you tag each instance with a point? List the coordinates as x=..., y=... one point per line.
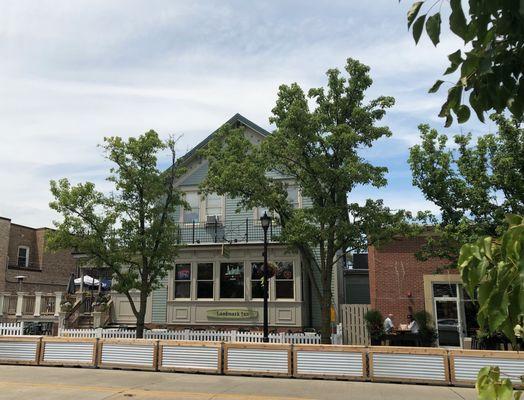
x=491, y=63
x=474, y=185
x=492, y=269
x=318, y=149
x=130, y=231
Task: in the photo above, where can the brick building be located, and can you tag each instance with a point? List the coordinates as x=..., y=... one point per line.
x=401, y=284
x=22, y=253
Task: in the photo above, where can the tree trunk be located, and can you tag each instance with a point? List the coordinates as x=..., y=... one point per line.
x=325, y=308
x=140, y=318
x=327, y=295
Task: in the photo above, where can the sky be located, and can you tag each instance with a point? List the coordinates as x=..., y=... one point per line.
x=72, y=72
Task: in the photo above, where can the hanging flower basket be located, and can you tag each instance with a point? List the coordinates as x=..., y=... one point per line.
x=271, y=269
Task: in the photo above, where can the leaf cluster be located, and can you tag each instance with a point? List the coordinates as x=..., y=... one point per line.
x=492, y=270
x=491, y=70
x=129, y=230
x=474, y=184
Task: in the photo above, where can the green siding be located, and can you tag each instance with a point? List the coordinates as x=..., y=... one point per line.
x=195, y=177
x=159, y=298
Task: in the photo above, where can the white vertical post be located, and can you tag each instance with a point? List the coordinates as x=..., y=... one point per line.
x=38, y=303
x=2, y=299
x=58, y=300
x=19, y=303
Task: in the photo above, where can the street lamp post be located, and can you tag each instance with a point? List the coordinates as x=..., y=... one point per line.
x=265, y=221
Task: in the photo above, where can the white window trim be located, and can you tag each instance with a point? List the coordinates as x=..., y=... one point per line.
x=250, y=280
x=213, y=280
x=294, y=280
x=222, y=208
x=26, y=255
x=200, y=209
x=219, y=274
x=257, y=214
x=174, y=281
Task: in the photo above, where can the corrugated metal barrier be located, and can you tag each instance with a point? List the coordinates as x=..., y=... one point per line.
x=190, y=356
x=68, y=352
x=328, y=361
x=408, y=364
x=127, y=353
x=257, y=359
x=20, y=350
x=465, y=364
x=384, y=364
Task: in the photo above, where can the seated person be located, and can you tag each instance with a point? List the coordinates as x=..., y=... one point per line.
x=412, y=325
x=388, y=324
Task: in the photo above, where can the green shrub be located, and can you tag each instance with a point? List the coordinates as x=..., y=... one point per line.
x=426, y=330
x=375, y=325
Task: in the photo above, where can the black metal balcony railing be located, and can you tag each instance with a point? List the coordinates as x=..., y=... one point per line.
x=248, y=231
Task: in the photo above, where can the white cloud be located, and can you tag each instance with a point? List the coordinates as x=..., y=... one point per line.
x=74, y=72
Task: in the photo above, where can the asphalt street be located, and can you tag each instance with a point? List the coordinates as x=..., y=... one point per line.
x=42, y=383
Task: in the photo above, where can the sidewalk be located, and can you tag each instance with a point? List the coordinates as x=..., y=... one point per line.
x=22, y=382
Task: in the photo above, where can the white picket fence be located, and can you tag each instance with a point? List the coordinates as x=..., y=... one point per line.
x=11, y=329
x=98, y=333
x=207, y=335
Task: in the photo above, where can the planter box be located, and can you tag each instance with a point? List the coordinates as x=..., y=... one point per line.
x=190, y=356
x=20, y=350
x=329, y=361
x=127, y=354
x=78, y=352
x=465, y=365
x=409, y=364
x=257, y=359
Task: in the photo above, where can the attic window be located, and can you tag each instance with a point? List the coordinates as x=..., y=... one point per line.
x=23, y=256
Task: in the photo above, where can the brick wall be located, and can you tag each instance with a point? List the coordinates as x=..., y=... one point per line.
x=5, y=227
x=396, y=277
x=47, y=271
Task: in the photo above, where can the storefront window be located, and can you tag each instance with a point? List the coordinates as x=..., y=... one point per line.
x=257, y=286
x=182, y=281
x=205, y=281
x=192, y=214
x=231, y=280
x=284, y=280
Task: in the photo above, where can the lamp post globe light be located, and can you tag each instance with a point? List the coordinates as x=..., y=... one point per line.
x=265, y=221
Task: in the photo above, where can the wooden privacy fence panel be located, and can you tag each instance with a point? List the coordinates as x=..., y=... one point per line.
x=465, y=365
x=127, y=353
x=354, y=325
x=257, y=359
x=408, y=364
x=68, y=351
x=328, y=361
x=190, y=356
x=20, y=350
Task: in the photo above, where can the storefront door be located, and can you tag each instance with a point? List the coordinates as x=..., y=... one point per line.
x=448, y=314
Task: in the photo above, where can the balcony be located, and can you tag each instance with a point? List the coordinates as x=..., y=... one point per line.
x=247, y=231
x=26, y=305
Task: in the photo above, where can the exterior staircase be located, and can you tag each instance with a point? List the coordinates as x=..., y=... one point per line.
x=85, y=322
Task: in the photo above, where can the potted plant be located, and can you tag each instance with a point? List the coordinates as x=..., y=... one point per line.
x=101, y=303
x=426, y=330
x=375, y=326
x=66, y=306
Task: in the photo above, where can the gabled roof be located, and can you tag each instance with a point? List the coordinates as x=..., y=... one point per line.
x=234, y=120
